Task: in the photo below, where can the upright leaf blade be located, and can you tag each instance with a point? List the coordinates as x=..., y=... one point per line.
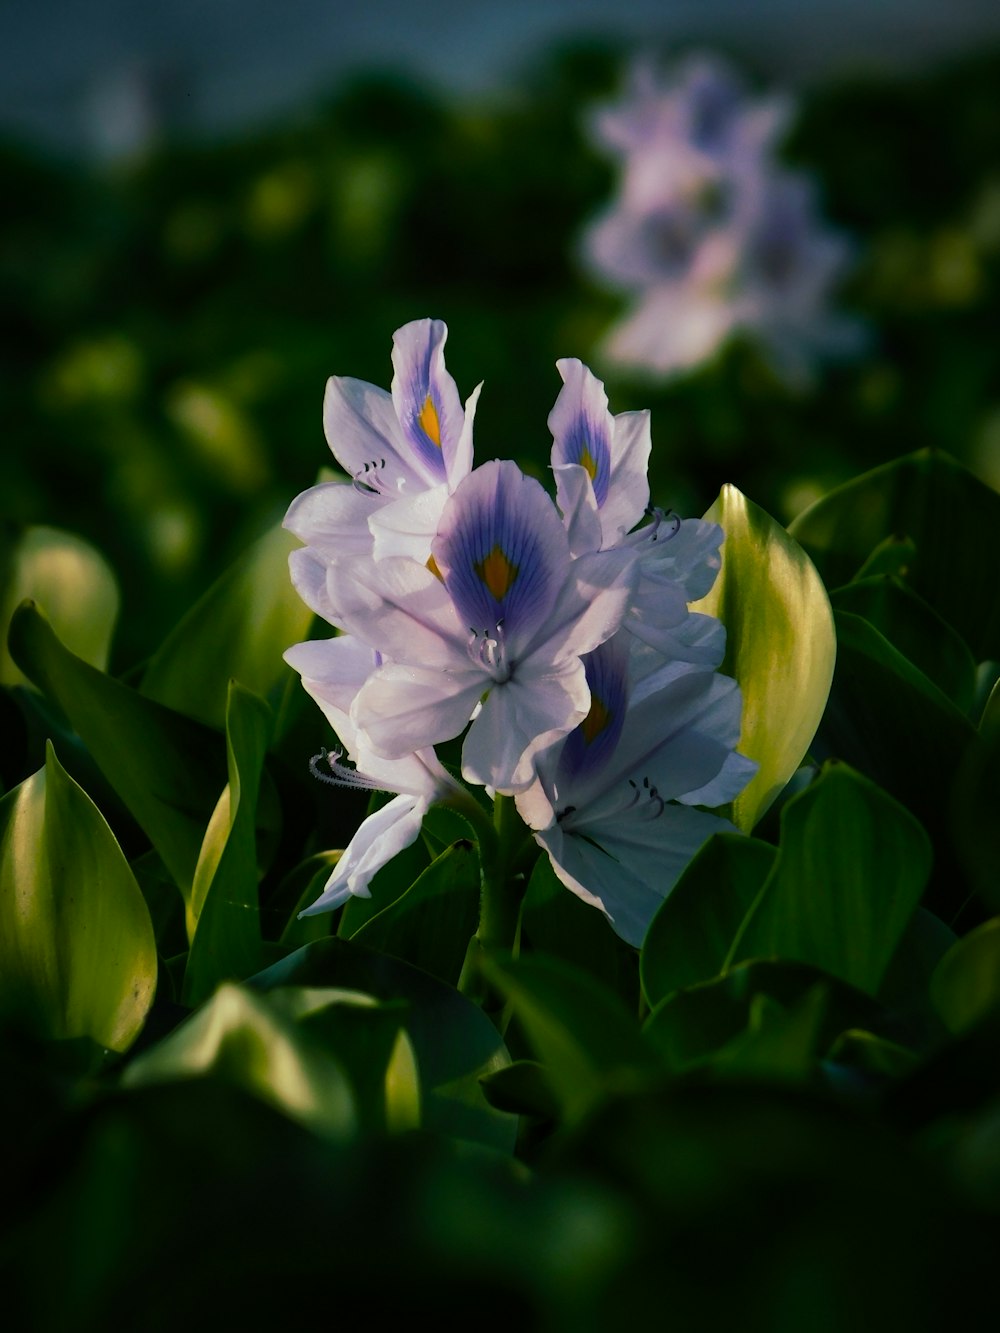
x=238, y=630
x=850, y=872
x=166, y=769
x=223, y=913
x=692, y=934
x=780, y=644
x=952, y=519
x=75, y=934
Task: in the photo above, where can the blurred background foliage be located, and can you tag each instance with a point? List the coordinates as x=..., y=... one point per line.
x=170, y=321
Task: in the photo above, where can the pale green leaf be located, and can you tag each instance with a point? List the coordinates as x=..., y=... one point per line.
x=75, y=585
x=75, y=933
x=780, y=645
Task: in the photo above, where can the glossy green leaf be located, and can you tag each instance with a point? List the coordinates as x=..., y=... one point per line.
x=557, y=922
x=75, y=934
x=75, y=585
x=916, y=630
x=222, y=910
x=238, y=630
x=851, y=868
x=725, y=1019
x=690, y=938
x=298, y=890
x=434, y=920
x=966, y=985
x=974, y=804
x=887, y=719
x=949, y=515
x=241, y=1038
x=893, y=556
x=167, y=769
x=454, y=1043
x=862, y=1050
x=368, y=1039
x=780, y=644
x=582, y=1034
x=522, y=1089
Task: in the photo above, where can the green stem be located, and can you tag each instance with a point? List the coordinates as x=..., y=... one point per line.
x=501, y=891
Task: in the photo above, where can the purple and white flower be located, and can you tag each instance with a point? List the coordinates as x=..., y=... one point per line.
x=493, y=632
x=599, y=462
x=333, y=671
x=614, y=803
x=406, y=452
x=708, y=236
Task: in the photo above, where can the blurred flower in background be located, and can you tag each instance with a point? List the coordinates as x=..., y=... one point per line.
x=709, y=235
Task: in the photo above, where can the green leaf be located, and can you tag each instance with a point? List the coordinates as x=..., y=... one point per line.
x=851, y=868
x=75, y=585
x=888, y=720
x=916, y=630
x=966, y=985
x=369, y=1041
x=873, y=1055
x=244, y=1040
x=557, y=922
x=725, y=1020
x=298, y=890
x=238, y=630
x=454, y=1043
x=974, y=807
x=952, y=519
x=893, y=556
x=690, y=938
x=434, y=920
x=75, y=934
x=780, y=644
x=166, y=768
x=223, y=916
x=522, y=1089
x=586, y=1041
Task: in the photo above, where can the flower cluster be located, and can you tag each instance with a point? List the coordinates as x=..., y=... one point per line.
x=709, y=235
x=555, y=638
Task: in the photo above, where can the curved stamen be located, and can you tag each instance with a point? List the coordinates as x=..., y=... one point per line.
x=657, y=804
x=660, y=516
x=340, y=775
x=371, y=479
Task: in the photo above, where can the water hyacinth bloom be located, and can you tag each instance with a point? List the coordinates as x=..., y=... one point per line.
x=494, y=632
x=613, y=803
x=406, y=451
x=708, y=236
x=333, y=671
x=599, y=462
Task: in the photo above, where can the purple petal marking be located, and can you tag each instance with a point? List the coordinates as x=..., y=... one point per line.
x=502, y=552
x=581, y=425
x=591, y=745
x=425, y=395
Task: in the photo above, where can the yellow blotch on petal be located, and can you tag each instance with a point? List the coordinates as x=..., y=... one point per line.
x=429, y=422
x=497, y=572
x=596, y=720
x=432, y=565
x=588, y=462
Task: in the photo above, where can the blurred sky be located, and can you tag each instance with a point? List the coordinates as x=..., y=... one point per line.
x=101, y=76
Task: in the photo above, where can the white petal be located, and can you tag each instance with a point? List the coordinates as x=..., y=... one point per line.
x=575, y=498
x=382, y=835
x=406, y=527
x=402, y=708
x=333, y=519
